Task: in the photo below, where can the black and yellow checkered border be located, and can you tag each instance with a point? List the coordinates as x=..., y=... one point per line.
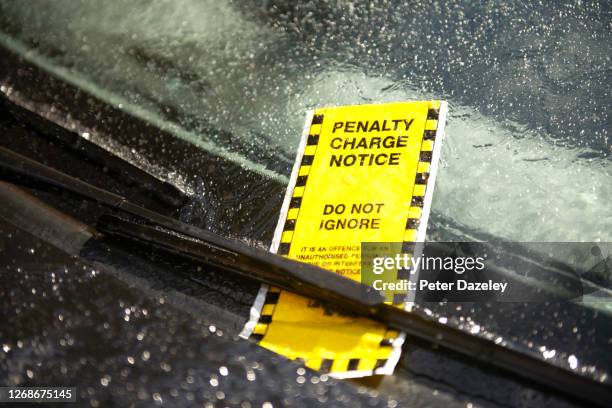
x=312, y=143
x=328, y=365
x=413, y=220
x=267, y=311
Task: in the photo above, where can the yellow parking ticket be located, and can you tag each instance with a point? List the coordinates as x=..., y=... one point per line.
x=363, y=173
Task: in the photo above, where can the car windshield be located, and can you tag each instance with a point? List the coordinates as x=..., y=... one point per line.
x=527, y=156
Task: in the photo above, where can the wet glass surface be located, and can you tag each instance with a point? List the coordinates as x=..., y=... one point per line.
x=527, y=157
x=528, y=86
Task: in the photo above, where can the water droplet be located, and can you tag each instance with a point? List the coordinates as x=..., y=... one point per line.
x=573, y=361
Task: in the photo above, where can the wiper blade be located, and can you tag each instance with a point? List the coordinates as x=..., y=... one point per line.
x=175, y=237
x=257, y=263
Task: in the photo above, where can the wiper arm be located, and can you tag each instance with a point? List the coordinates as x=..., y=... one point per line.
x=184, y=240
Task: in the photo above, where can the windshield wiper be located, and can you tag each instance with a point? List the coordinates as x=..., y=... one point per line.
x=261, y=265
x=140, y=225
